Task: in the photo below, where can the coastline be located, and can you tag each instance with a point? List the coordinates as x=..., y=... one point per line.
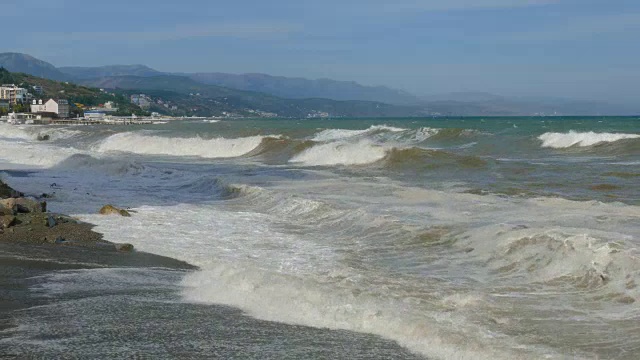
x=85, y=298
x=32, y=246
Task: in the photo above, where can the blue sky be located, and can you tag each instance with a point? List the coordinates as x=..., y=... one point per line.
x=582, y=49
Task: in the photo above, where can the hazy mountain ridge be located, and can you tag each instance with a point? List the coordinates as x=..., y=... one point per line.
x=79, y=72
x=22, y=63
x=262, y=86
x=300, y=88
x=285, y=87
x=216, y=98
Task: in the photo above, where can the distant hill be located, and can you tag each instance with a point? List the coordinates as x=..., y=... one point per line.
x=251, y=91
x=213, y=100
x=21, y=63
x=285, y=87
x=111, y=70
x=76, y=94
x=300, y=88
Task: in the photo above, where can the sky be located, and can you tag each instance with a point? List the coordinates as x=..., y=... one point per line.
x=578, y=49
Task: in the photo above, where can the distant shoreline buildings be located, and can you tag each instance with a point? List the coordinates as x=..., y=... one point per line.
x=58, y=107
x=14, y=94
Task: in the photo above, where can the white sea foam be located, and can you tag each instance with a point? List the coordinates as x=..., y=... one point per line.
x=141, y=143
x=574, y=138
x=338, y=134
x=39, y=155
x=112, y=166
x=8, y=131
x=31, y=132
x=277, y=276
x=341, y=153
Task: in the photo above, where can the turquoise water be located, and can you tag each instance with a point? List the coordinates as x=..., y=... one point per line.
x=470, y=238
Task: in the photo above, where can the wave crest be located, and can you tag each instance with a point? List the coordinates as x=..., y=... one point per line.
x=110, y=166
x=581, y=139
x=341, y=153
x=157, y=145
x=340, y=134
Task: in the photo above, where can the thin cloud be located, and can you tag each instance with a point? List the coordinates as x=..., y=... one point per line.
x=449, y=5
x=179, y=32
x=577, y=28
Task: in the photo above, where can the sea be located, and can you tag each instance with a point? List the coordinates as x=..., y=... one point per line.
x=409, y=238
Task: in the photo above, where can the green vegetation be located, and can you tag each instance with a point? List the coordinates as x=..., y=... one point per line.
x=76, y=94
x=194, y=98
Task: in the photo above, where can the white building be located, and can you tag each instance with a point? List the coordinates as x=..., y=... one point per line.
x=141, y=100
x=59, y=107
x=13, y=93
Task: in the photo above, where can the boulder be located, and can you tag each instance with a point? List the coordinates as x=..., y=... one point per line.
x=7, y=221
x=112, y=210
x=24, y=205
x=6, y=211
x=30, y=205
x=50, y=221
x=9, y=205
x=124, y=247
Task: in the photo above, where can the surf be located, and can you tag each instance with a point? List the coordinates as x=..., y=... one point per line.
x=581, y=139
x=149, y=144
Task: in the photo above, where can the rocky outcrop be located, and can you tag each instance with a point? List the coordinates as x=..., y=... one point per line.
x=112, y=210
x=24, y=205
x=7, y=221
x=124, y=247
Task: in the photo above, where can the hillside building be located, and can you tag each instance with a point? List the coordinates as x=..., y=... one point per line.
x=14, y=94
x=141, y=100
x=59, y=107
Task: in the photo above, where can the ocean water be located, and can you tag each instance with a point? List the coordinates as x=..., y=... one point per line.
x=456, y=238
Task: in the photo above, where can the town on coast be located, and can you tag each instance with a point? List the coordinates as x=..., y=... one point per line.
x=30, y=105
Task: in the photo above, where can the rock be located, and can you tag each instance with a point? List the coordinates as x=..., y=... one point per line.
x=44, y=137
x=51, y=222
x=9, y=204
x=6, y=211
x=7, y=192
x=60, y=240
x=124, y=247
x=31, y=205
x=7, y=221
x=24, y=205
x=112, y=210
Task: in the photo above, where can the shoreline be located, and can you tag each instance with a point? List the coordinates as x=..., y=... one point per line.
x=35, y=243
x=25, y=220
x=134, y=307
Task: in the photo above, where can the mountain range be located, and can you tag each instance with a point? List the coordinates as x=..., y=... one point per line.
x=253, y=90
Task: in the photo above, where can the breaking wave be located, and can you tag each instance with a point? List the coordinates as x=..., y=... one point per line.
x=110, y=166
x=14, y=132
x=581, y=139
x=591, y=262
x=279, y=150
x=339, y=134
x=212, y=186
x=341, y=153
x=140, y=143
x=34, y=132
